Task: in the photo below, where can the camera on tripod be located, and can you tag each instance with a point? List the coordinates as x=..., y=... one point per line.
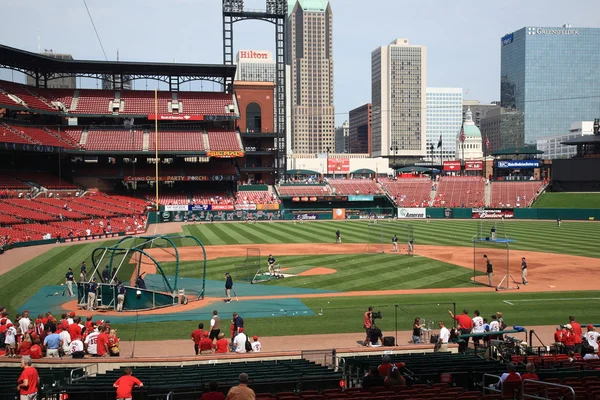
x=376, y=315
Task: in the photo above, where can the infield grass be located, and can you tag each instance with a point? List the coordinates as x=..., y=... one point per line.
x=344, y=314
x=568, y=200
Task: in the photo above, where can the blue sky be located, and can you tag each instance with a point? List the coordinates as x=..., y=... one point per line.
x=462, y=37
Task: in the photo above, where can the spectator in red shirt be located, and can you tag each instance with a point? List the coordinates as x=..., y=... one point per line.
x=24, y=348
x=197, y=337
x=89, y=325
x=577, y=333
x=222, y=345
x=74, y=329
x=102, y=342
x=126, y=383
x=213, y=394
x=568, y=339
x=29, y=380
x=466, y=324
x=530, y=374
x=206, y=344
x=386, y=364
x=35, y=352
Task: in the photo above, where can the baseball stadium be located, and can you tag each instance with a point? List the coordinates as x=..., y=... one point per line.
x=148, y=212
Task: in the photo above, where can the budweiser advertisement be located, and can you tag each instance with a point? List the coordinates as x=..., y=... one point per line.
x=452, y=165
x=176, y=117
x=225, y=154
x=492, y=213
x=473, y=165
x=338, y=165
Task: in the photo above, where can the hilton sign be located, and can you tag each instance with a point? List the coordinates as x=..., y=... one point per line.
x=255, y=55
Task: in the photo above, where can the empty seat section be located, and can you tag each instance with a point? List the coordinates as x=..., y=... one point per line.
x=460, y=191
x=355, y=186
x=29, y=95
x=101, y=140
x=514, y=194
x=304, y=190
x=255, y=197
x=211, y=198
x=224, y=141
x=141, y=102
x=44, y=179
x=409, y=192
x=8, y=135
x=25, y=213
x=94, y=102
x=177, y=140
x=8, y=182
x=206, y=103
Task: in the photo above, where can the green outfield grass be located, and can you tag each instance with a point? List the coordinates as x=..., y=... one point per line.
x=573, y=238
x=354, y=272
x=344, y=314
x=568, y=200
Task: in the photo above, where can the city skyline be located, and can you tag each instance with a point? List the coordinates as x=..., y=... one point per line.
x=446, y=30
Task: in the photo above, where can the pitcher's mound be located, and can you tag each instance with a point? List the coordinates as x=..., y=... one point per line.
x=317, y=271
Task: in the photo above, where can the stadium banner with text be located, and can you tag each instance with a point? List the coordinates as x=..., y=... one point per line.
x=306, y=217
x=266, y=207
x=312, y=199
x=199, y=207
x=222, y=207
x=178, y=117
x=177, y=207
x=452, y=165
x=204, y=215
x=163, y=178
x=412, y=213
x=338, y=165
x=492, y=213
x=245, y=207
x=473, y=165
x=360, y=198
x=518, y=164
x=225, y=154
x=339, y=213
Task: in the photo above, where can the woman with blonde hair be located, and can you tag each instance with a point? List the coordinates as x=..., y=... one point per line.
x=113, y=343
x=24, y=348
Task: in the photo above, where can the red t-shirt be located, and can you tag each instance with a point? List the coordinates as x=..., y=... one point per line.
x=558, y=336
x=213, y=396
x=367, y=320
x=197, y=335
x=576, y=331
x=125, y=385
x=25, y=349
x=568, y=339
x=31, y=374
x=384, y=368
x=465, y=321
x=101, y=342
x=222, y=345
x=35, y=352
x=206, y=344
x=532, y=377
x=74, y=331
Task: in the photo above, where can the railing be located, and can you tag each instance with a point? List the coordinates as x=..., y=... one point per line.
x=321, y=357
x=86, y=371
x=545, y=386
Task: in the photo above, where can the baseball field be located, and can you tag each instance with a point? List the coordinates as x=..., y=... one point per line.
x=329, y=286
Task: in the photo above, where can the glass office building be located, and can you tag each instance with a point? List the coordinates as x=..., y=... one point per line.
x=550, y=77
x=444, y=118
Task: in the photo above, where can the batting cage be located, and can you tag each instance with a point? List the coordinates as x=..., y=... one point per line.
x=252, y=270
x=491, y=245
x=148, y=283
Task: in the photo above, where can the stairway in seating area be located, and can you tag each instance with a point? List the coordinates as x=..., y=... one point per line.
x=487, y=196
x=84, y=137
x=205, y=141
x=74, y=101
x=146, y=141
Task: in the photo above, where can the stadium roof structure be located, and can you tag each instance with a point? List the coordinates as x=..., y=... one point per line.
x=516, y=151
x=586, y=139
x=43, y=68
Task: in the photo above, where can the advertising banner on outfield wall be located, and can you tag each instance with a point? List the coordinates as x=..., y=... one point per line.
x=306, y=217
x=412, y=213
x=339, y=213
x=495, y=213
x=520, y=164
x=203, y=215
x=245, y=207
x=267, y=206
x=177, y=207
x=452, y=165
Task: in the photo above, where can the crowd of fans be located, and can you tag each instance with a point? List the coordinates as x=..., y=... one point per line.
x=47, y=337
x=213, y=341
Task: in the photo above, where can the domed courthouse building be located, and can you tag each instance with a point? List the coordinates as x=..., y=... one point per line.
x=469, y=146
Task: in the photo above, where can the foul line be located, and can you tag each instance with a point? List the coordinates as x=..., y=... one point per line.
x=510, y=302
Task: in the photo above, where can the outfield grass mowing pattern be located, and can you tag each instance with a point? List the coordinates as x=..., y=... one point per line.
x=576, y=238
x=568, y=200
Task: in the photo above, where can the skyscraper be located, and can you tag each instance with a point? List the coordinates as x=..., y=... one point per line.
x=342, y=138
x=255, y=66
x=398, y=91
x=444, y=118
x=360, y=129
x=310, y=55
x=549, y=80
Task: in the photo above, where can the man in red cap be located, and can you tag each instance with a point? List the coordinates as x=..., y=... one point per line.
x=592, y=337
x=74, y=329
x=102, y=342
x=10, y=340
x=206, y=344
x=577, y=333
x=466, y=325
